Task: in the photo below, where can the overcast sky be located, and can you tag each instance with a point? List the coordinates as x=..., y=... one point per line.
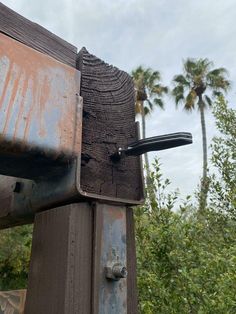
x=157, y=34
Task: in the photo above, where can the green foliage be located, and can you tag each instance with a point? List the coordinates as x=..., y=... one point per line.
x=223, y=185
x=15, y=244
x=185, y=264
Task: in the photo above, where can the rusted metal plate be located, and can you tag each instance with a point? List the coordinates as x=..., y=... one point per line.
x=110, y=290
x=38, y=103
x=12, y=302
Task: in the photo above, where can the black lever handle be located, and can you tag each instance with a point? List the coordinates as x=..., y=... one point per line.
x=153, y=144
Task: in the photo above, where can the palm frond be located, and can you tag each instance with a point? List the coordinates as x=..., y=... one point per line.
x=153, y=77
x=216, y=93
x=146, y=110
x=190, y=101
x=137, y=72
x=219, y=83
x=178, y=93
x=208, y=100
x=181, y=79
x=159, y=103
x=203, y=66
x=189, y=66
x=150, y=105
x=218, y=71
x=159, y=89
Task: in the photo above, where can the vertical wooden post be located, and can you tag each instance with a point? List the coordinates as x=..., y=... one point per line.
x=61, y=261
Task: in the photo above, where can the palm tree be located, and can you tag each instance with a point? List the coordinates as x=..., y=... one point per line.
x=197, y=87
x=149, y=93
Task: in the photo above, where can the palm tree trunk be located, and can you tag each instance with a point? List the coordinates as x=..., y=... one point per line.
x=146, y=161
x=148, y=181
x=204, y=182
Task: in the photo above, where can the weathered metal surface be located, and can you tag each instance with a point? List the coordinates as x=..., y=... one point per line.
x=38, y=104
x=110, y=250
x=12, y=302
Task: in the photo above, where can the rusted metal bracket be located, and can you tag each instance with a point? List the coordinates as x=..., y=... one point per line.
x=110, y=258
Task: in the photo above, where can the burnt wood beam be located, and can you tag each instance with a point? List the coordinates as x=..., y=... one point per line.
x=108, y=123
x=35, y=36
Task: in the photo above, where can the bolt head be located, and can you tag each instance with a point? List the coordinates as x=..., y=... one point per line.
x=116, y=272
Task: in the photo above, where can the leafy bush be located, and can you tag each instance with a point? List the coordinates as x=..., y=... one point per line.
x=186, y=262
x=15, y=244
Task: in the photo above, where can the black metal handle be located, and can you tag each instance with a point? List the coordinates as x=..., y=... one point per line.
x=154, y=144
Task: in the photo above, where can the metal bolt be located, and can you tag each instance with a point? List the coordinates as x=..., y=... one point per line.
x=116, y=272
x=119, y=271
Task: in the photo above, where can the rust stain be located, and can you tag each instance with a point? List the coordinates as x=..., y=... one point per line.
x=21, y=109
x=43, y=95
x=8, y=77
x=116, y=214
x=12, y=99
x=29, y=115
x=41, y=111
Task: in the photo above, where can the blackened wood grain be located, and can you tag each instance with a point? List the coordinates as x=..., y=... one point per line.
x=132, y=298
x=61, y=261
x=108, y=123
x=35, y=36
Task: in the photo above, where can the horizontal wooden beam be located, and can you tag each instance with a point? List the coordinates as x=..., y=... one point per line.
x=35, y=36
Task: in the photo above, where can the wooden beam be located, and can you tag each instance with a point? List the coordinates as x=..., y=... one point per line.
x=35, y=36
x=108, y=123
